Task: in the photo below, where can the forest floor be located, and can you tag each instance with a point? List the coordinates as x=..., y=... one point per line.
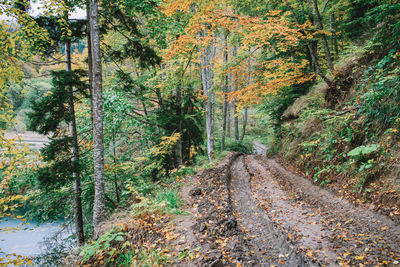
x=250, y=211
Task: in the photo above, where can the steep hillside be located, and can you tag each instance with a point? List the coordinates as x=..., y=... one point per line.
x=346, y=137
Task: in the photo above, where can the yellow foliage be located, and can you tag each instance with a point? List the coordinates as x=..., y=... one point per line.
x=254, y=79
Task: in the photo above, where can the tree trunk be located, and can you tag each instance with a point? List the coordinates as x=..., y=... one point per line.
x=236, y=121
x=334, y=40
x=207, y=76
x=90, y=61
x=314, y=41
x=115, y=164
x=225, y=91
x=99, y=208
x=249, y=81
x=178, y=146
x=229, y=108
x=310, y=60
x=228, y=119
x=310, y=12
x=313, y=52
x=324, y=39
x=235, y=88
x=80, y=238
x=244, y=124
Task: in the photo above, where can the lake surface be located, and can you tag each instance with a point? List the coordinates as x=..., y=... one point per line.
x=27, y=241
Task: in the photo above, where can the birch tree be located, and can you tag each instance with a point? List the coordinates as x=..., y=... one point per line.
x=97, y=100
x=207, y=55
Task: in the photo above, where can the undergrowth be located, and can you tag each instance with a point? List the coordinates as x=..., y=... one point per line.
x=142, y=237
x=356, y=148
x=140, y=240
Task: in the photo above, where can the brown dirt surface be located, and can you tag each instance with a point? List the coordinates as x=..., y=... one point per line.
x=251, y=211
x=328, y=229
x=266, y=240
x=223, y=241
x=186, y=246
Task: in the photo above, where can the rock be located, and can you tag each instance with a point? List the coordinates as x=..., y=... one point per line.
x=195, y=192
x=232, y=243
x=202, y=227
x=217, y=263
x=231, y=223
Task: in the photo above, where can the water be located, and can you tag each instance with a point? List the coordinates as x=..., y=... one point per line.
x=29, y=240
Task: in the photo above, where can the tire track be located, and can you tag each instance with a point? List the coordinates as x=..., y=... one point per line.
x=250, y=211
x=329, y=230
x=270, y=246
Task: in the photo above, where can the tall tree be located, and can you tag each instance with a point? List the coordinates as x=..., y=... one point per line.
x=235, y=88
x=311, y=48
x=207, y=54
x=74, y=151
x=334, y=38
x=59, y=30
x=323, y=35
x=225, y=90
x=99, y=209
x=178, y=146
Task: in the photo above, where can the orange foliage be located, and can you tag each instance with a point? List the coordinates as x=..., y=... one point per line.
x=254, y=79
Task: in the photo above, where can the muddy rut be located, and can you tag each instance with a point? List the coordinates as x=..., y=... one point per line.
x=267, y=243
x=252, y=212
x=292, y=222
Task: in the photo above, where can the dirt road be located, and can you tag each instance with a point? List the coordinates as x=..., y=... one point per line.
x=251, y=211
x=32, y=139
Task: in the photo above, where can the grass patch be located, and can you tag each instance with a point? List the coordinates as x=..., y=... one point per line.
x=171, y=200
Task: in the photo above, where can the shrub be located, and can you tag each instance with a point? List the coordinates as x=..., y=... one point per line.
x=239, y=147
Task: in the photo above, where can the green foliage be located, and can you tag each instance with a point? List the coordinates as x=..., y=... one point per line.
x=323, y=154
x=381, y=16
x=131, y=46
x=49, y=112
x=276, y=104
x=170, y=198
x=160, y=201
x=48, y=115
x=146, y=258
x=54, y=28
x=104, y=247
x=245, y=148
x=180, y=173
x=365, y=158
x=385, y=15
x=51, y=184
x=362, y=151
x=380, y=92
x=357, y=22
x=321, y=175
